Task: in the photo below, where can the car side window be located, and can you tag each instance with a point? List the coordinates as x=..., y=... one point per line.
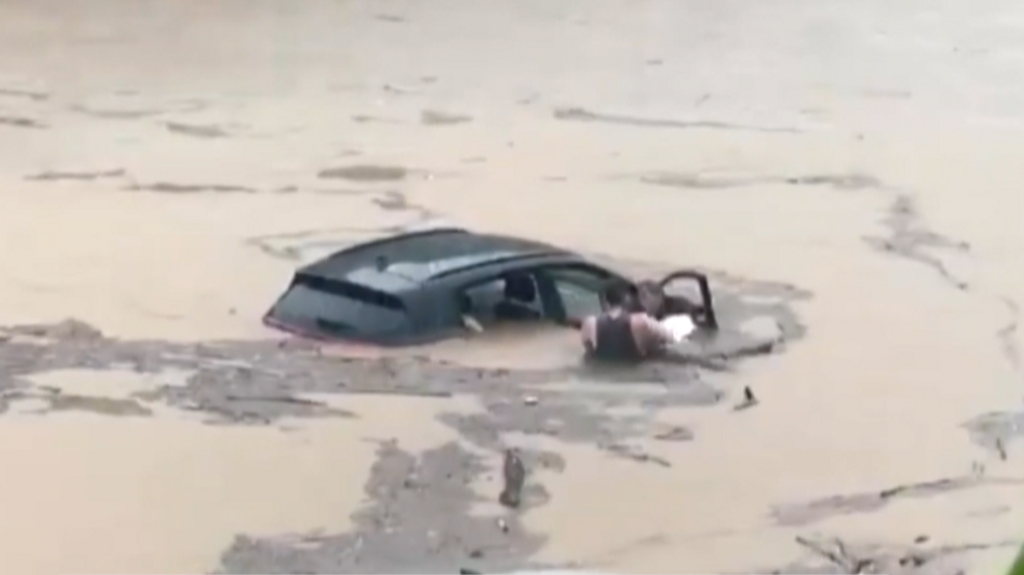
x=579, y=290
x=317, y=304
x=478, y=300
x=509, y=297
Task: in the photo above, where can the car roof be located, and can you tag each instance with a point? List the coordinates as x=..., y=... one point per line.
x=414, y=258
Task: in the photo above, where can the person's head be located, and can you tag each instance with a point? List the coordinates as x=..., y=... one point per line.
x=616, y=294
x=651, y=295
x=520, y=287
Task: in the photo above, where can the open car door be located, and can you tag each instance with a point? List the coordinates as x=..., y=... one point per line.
x=703, y=312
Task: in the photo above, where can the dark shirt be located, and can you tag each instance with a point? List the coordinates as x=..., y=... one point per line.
x=615, y=340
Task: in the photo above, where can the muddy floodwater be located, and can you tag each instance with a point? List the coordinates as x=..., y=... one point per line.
x=848, y=173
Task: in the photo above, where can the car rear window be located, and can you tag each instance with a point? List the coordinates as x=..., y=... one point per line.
x=340, y=308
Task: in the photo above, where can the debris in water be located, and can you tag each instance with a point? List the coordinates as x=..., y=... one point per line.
x=636, y=453
x=912, y=561
x=675, y=434
x=531, y=400
x=19, y=122
x=515, y=476
x=1001, y=449
x=397, y=89
x=85, y=176
x=749, y=400
x=921, y=539
x=436, y=118
x=503, y=525
x=365, y=173
x=197, y=131
x=836, y=553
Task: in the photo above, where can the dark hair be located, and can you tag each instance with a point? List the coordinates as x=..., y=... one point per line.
x=616, y=293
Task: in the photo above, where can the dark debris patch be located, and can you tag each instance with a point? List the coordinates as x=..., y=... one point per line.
x=909, y=238
x=1007, y=334
x=371, y=119
x=82, y=176
x=132, y=111
x=995, y=430
x=698, y=181
x=847, y=182
x=821, y=509
x=393, y=201
x=675, y=433
x=176, y=188
x=365, y=173
x=22, y=122
x=261, y=381
x=419, y=522
x=196, y=130
x=35, y=96
x=833, y=555
x=438, y=118
x=577, y=114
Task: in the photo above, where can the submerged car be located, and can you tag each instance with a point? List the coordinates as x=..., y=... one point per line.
x=420, y=287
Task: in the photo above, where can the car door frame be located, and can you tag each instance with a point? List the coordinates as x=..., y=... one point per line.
x=708, y=319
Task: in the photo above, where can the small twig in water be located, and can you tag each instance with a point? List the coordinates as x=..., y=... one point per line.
x=1001, y=449
x=749, y=400
x=839, y=557
x=636, y=454
x=276, y=399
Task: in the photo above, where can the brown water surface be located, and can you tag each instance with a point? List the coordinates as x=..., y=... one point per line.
x=157, y=160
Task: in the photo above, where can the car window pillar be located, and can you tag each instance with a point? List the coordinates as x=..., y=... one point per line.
x=551, y=300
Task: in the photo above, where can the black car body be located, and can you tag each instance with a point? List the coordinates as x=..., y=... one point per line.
x=419, y=287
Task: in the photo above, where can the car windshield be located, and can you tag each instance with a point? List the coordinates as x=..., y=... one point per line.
x=342, y=309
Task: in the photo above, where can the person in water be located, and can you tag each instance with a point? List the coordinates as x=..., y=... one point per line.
x=619, y=333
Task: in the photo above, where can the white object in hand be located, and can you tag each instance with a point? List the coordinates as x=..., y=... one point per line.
x=679, y=326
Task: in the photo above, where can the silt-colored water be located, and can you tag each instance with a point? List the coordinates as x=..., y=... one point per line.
x=925, y=98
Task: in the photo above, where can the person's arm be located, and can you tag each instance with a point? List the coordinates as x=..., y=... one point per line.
x=471, y=323
x=587, y=334
x=573, y=322
x=657, y=332
x=678, y=305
